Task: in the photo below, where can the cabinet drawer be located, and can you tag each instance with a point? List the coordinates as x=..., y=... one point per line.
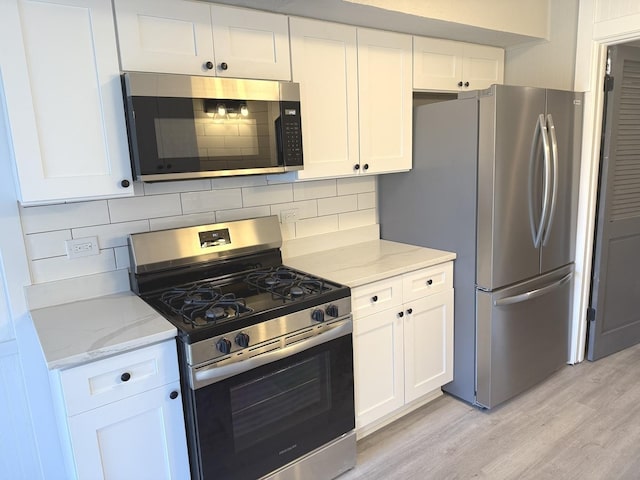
x=376, y=296
x=104, y=381
x=427, y=281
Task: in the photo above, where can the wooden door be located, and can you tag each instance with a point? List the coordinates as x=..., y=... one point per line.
x=615, y=289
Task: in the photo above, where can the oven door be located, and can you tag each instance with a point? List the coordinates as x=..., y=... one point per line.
x=265, y=412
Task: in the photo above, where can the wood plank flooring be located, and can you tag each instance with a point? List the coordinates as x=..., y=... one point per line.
x=581, y=423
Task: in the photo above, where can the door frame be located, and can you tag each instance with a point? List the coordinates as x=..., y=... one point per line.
x=591, y=57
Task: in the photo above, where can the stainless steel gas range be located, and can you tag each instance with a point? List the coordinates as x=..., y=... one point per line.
x=265, y=351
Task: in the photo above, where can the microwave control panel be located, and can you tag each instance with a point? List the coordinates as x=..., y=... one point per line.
x=291, y=133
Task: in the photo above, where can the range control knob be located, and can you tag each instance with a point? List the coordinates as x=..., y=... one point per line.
x=242, y=339
x=223, y=345
x=317, y=315
x=332, y=310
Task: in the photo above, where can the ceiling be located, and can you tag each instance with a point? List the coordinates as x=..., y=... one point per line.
x=344, y=11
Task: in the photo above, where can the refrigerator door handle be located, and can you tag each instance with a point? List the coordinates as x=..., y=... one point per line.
x=540, y=131
x=554, y=190
x=523, y=297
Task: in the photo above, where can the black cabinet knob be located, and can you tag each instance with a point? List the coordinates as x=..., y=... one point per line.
x=401, y=314
x=410, y=311
x=242, y=339
x=374, y=298
x=125, y=376
x=429, y=282
x=223, y=66
x=224, y=346
x=460, y=83
x=125, y=183
x=366, y=166
x=208, y=65
x=356, y=166
x=466, y=84
x=173, y=395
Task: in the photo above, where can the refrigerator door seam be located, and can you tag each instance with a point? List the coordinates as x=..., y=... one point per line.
x=533, y=293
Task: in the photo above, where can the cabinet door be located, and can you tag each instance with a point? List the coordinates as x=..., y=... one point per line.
x=376, y=297
x=437, y=64
x=378, y=366
x=64, y=99
x=324, y=63
x=428, y=343
x=141, y=437
x=167, y=37
x=482, y=66
x=385, y=100
x=252, y=44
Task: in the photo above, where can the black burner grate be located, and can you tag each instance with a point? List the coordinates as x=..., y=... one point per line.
x=284, y=283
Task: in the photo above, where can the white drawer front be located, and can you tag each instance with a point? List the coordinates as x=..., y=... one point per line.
x=427, y=281
x=376, y=296
x=104, y=381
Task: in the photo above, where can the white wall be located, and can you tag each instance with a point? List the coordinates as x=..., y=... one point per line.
x=548, y=64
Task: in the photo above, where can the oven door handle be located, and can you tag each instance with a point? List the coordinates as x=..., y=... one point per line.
x=212, y=373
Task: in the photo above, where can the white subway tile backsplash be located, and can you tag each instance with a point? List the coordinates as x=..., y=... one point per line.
x=68, y=215
x=237, y=182
x=242, y=213
x=160, y=188
x=60, y=268
x=288, y=231
x=142, y=208
x=351, y=185
x=357, y=219
x=316, y=226
x=122, y=257
x=366, y=200
x=331, y=205
x=112, y=235
x=182, y=221
x=306, y=208
x=210, y=201
x=267, y=195
x=49, y=244
x=314, y=189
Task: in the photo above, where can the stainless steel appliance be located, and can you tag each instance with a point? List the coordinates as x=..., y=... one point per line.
x=265, y=351
x=183, y=127
x=495, y=179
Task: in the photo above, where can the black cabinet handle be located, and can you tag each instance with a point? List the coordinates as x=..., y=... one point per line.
x=466, y=84
x=460, y=83
x=125, y=183
x=356, y=166
x=410, y=311
x=374, y=298
x=125, y=376
x=401, y=314
x=366, y=166
x=223, y=66
x=173, y=395
x=429, y=282
x=209, y=65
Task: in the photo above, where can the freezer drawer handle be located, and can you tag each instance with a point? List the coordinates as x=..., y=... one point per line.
x=533, y=293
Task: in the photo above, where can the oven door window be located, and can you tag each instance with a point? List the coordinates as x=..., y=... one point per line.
x=258, y=421
x=177, y=135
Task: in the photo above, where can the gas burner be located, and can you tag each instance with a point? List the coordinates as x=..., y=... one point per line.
x=201, y=303
x=284, y=283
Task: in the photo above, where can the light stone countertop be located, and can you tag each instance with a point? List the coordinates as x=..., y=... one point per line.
x=74, y=333
x=367, y=262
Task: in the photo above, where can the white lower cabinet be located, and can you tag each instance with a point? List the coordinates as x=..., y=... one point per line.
x=403, y=343
x=121, y=417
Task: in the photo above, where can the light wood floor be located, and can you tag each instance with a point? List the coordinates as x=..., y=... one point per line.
x=583, y=423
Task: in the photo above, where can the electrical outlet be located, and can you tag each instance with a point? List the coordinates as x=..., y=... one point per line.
x=82, y=247
x=289, y=216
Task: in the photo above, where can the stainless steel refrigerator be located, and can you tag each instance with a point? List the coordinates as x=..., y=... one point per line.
x=494, y=179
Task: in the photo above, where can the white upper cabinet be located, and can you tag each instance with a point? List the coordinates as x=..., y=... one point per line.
x=385, y=100
x=324, y=63
x=454, y=66
x=197, y=38
x=63, y=97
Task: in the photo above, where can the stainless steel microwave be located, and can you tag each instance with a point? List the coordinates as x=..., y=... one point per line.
x=182, y=127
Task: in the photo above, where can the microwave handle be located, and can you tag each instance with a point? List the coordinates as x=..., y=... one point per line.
x=212, y=373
